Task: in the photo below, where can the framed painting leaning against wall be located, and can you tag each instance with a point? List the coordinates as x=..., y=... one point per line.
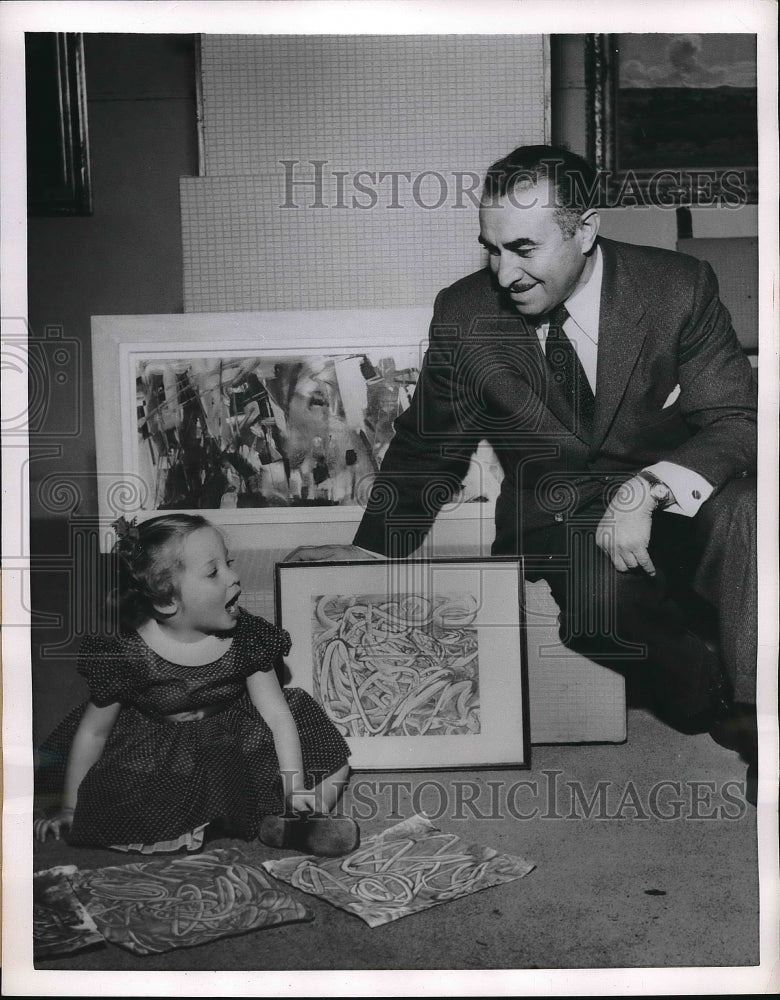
x=257, y=418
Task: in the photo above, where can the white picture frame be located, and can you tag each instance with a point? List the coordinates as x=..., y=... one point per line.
x=126, y=348
x=421, y=664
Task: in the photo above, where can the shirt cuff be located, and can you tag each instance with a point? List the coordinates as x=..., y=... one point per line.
x=689, y=488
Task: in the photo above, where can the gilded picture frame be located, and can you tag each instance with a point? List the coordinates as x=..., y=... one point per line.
x=672, y=118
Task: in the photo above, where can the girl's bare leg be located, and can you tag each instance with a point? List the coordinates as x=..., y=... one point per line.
x=322, y=834
x=330, y=789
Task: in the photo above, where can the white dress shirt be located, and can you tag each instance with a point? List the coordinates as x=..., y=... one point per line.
x=582, y=328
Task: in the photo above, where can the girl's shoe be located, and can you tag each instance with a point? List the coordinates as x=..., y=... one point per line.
x=312, y=833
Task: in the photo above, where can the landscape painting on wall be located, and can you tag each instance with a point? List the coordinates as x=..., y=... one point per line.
x=687, y=101
x=673, y=118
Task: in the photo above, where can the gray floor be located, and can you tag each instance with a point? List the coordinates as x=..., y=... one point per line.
x=625, y=888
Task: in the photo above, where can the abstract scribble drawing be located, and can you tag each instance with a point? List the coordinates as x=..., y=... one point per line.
x=408, y=868
x=150, y=907
x=393, y=879
x=60, y=921
x=405, y=665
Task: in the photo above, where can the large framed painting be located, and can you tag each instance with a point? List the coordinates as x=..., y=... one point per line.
x=673, y=118
x=256, y=418
x=419, y=663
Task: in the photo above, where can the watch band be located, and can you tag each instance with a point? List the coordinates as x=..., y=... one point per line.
x=659, y=491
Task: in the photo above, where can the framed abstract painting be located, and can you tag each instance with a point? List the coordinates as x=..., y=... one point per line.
x=421, y=664
x=269, y=418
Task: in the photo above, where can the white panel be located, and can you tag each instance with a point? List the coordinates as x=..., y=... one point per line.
x=431, y=112
x=369, y=102
x=241, y=253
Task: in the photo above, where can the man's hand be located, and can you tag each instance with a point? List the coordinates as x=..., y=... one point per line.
x=330, y=553
x=624, y=530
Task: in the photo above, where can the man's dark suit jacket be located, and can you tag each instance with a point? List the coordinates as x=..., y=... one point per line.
x=661, y=326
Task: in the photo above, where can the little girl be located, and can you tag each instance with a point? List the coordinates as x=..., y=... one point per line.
x=187, y=724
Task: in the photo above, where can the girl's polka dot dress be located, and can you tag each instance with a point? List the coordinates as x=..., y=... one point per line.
x=159, y=783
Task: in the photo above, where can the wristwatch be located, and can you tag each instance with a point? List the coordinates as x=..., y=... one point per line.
x=659, y=491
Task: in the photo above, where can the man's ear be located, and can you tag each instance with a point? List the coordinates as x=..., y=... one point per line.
x=590, y=220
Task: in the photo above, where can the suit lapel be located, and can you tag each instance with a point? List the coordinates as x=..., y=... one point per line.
x=621, y=334
x=521, y=349
x=623, y=327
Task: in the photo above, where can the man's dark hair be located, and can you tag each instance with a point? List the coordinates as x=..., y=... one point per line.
x=574, y=182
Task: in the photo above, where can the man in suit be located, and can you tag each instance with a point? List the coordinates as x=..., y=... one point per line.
x=612, y=387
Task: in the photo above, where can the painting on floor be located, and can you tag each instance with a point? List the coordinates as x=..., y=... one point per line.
x=407, y=868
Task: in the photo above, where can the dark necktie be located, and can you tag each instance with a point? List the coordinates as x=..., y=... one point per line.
x=567, y=370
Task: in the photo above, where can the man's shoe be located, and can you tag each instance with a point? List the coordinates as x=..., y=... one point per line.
x=751, y=782
x=312, y=833
x=695, y=703
x=737, y=730
x=702, y=721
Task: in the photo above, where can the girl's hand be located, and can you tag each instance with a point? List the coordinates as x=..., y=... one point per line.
x=304, y=801
x=60, y=821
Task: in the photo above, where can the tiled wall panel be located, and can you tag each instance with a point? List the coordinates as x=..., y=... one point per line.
x=324, y=229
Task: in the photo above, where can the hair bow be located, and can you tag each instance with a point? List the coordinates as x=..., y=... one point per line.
x=126, y=530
